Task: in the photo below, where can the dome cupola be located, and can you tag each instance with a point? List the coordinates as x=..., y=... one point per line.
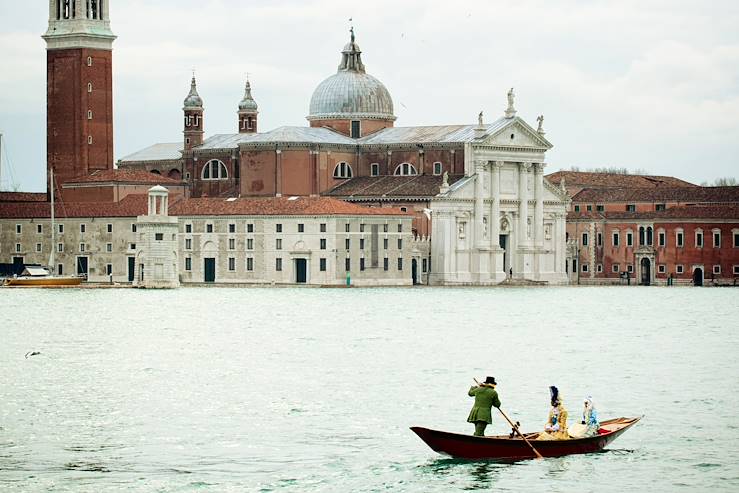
x=248, y=103
x=351, y=97
x=193, y=99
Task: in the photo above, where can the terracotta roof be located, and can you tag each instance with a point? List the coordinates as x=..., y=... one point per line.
x=277, y=206
x=681, y=194
x=723, y=212
x=130, y=206
x=391, y=186
x=22, y=197
x=125, y=176
x=615, y=180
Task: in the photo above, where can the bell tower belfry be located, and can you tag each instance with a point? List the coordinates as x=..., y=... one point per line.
x=79, y=94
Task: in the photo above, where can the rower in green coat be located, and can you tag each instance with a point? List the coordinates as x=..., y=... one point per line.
x=485, y=398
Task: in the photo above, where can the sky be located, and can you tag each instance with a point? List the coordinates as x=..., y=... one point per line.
x=651, y=85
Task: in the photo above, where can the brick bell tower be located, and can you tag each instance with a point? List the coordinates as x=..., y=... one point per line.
x=193, y=108
x=79, y=94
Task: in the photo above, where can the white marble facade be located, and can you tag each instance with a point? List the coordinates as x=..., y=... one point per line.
x=503, y=219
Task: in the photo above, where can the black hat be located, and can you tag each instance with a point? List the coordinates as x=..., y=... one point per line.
x=491, y=381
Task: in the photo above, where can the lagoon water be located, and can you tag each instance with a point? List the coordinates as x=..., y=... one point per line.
x=303, y=390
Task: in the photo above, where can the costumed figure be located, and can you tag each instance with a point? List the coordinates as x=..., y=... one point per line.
x=556, y=427
x=485, y=398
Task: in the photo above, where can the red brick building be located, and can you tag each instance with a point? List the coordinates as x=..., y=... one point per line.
x=685, y=234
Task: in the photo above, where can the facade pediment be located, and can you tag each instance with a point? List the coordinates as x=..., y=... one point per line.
x=517, y=133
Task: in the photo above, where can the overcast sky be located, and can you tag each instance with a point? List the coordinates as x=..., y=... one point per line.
x=647, y=84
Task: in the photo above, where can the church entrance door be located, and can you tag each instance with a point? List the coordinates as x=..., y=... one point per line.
x=210, y=270
x=506, y=258
x=301, y=270
x=414, y=271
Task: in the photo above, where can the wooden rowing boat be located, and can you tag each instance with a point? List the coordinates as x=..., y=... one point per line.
x=507, y=448
x=43, y=281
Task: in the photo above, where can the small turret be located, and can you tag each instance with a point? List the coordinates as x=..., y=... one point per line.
x=248, y=111
x=193, y=108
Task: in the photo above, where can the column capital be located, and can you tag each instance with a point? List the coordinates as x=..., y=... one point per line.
x=497, y=164
x=539, y=168
x=526, y=166
x=480, y=164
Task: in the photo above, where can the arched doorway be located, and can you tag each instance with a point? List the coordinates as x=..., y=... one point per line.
x=646, y=272
x=698, y=277
x=414, y=270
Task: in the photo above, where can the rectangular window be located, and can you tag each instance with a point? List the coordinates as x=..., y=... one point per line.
x=661, y=238
x=616, y=239
x=17, y=248
x=231, y=264
x=250, y=244
x=61, y=229
x=584, y=239
x=278, y=228
x=60, y=269
x=631, y=208
x=348, y=243
x=437, y=169
x=133, y=228
x=629, y=239
x=386, y=243
x=159, y=236
x=400, y=228
x=109, y=269
x=616, y=268
x=348, y=228
x=209, y=228
x=736, y=270
x=386, y=264
x=361, y=264
x=250, y=264
x=60, y=247
x=400, y=243
x=659, y=207
x=577, y=208
x=630, y=268
x=361, y=243
x=188, y=244
x=249, y=228
x=323, y=243
x=132, y=246
x=356, y=129
x=599, y=268
x=736, y=240
x=600, y=239
x=679, y=239
x=585, y=267
x=82, y=247
x=322, y=266
x=400, y=263
x=231, y=228
x=188, y=264
x=323, y=227
x=188, y=228
x=716, y=240
x=679, y=269
x=278, y=244
x=590, y=208
x=109, y=247
x=110, y=228
x=385, y=228
x=662, y=268
x=348, y=264
x=374, y=169
x=699, y=240
x=278, y=265
x=717, y=269
x=375, y=246
x=38, y=247
x=361, y=227
x=83, y=228
x=600, y=208
x=39, y=229
x=301, y=228
x=232, y=244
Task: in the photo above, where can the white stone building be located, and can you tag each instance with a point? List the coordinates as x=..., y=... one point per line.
x=503, y=218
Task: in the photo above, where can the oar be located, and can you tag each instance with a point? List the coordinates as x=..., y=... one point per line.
x=538, y=455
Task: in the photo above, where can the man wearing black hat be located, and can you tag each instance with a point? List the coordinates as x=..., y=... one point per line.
x=485, y=398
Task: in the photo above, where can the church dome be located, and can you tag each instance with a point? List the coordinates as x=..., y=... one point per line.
x=248, y=103
x=351, y=93
x=193, y=99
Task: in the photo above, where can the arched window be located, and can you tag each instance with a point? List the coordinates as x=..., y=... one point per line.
x=642, y=240
x=650, y=236
x=89, y=114
x=89, y=87
x=405, y=169
x=343, y=170
x=215, y=170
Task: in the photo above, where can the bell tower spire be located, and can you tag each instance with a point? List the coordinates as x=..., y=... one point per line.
x=248, y=111
x=79, y=55
x=193, y=108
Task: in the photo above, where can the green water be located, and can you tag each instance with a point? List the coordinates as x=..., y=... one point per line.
x=286, y=390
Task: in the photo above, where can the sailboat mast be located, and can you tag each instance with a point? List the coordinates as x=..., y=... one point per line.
x=53, y=224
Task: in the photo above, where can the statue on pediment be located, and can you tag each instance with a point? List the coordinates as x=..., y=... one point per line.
x=540, y=119
x=479, y=120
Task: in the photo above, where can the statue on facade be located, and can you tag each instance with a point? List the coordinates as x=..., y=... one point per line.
x=445, y=179
x=479, y=120
x=511, y=111
x=484, y=227
x=540, y=119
